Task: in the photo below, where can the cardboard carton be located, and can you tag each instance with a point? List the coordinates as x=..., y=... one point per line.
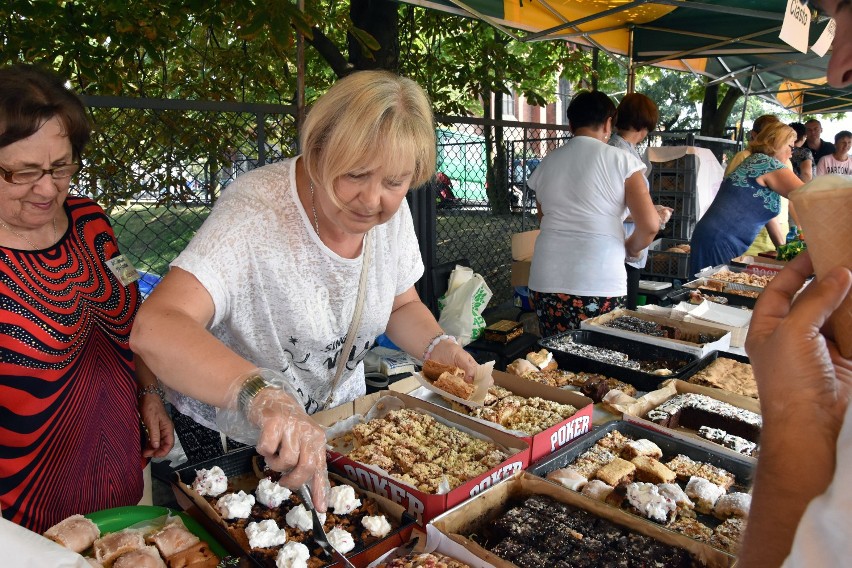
x=423, y=506
x=523, y=246
x=638, y=411
x=721, y=338
x=470, y=517
x=546, y=441
x=246, y=480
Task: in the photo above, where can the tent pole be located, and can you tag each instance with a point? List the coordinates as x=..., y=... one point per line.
x=595, y=56
x=745, y=106
x=631, y=68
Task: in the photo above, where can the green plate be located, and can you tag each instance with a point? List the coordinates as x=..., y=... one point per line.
x=112, y=520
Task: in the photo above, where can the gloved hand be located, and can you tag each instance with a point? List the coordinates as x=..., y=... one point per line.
x=451, y=353
x=275, y=422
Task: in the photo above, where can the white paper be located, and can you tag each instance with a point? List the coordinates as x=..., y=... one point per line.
x=428, y=384
x=796, y=26
x=825, y=39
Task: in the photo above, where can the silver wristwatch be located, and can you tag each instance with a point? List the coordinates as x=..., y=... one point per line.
x=249, y=389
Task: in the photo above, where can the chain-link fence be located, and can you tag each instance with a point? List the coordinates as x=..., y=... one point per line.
x=158, y=166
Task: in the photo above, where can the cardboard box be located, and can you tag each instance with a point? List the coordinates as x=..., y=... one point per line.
x=637, y=412
x=546, y=441
x=423, y=506
x=470, y=517
x=722, y=338
x=238, y=466
x=523, y=245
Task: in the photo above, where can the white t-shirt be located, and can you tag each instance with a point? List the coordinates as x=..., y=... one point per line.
x=831, y=165
x=580, y=249
x=824, y=535
x=281, y=296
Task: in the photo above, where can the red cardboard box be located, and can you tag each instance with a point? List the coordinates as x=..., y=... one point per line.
x=420, y=505
x=546, y=441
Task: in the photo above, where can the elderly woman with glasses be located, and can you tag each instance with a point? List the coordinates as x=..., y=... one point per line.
x=71, y=389
x=747, y=200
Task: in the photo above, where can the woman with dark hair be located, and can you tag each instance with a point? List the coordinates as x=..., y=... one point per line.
x=584, y=191
x=802, y=157
x=635, y=117
x=72, y=391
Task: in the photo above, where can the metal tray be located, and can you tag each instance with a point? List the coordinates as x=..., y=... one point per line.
x=742, y=469
x=636, y=350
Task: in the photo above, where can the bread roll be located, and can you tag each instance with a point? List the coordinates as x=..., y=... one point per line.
x=76, y=532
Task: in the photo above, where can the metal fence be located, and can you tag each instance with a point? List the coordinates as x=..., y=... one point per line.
x=158, y=166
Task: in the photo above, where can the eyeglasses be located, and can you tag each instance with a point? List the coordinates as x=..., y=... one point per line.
x=21, y=177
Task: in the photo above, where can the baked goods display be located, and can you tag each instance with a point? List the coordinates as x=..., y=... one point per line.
x=513, y=412
x=541, y=532
x=713, y=419
x=169, y=544
x=423, y=560
x=272, y=525
x=567, y=344
x=503, y=331
x=690, y=497
x=727, y=374
x=648, y=327
x=448, y=378
x=416, y=449
x=592, y=385
x=724, y=287
x=744, y=278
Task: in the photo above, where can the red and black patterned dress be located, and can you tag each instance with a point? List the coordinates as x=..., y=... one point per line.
x=69, y=426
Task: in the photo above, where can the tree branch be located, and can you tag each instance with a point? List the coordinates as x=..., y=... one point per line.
x=330, y=52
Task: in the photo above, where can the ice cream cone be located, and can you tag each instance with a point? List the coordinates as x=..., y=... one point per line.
x=824, y=208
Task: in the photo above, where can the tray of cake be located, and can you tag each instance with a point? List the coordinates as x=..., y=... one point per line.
x=757, y=276
x=239, y=500
x=138, y=536
x=724, y=419
x=592, y=385
x=682, y=485
x=638, y=363
x=726, y=371
x=422, y=456
x=429, y=551
x=680, y=335
x=735, y=294
x=532, y=523
x=545, y=417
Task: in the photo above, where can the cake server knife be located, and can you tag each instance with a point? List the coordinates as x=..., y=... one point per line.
x=319, y=532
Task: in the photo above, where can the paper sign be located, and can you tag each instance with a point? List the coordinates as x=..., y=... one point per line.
x=824, y=41
x=797, y=23
x=122, y=269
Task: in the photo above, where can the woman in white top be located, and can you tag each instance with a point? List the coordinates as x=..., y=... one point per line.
x=584, y=191
x=254, y=316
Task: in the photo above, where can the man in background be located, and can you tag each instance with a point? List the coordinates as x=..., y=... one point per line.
x=817, y=146
x=838, y=162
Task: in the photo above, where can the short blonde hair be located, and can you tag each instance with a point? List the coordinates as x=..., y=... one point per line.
x=772, y=138
x=364, y=116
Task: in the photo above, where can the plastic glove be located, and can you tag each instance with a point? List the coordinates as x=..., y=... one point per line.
x=665, y=214
x=450, y=353
x=276, y=423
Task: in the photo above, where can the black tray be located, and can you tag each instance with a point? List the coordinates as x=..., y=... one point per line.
x=742, y=469
x=637, y=350
x=240, y=462
x=733, y=299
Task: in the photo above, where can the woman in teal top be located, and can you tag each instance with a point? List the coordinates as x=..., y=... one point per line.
x=747, y=200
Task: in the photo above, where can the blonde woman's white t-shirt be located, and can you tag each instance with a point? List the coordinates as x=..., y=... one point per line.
x=282, y=298
x=580, y=249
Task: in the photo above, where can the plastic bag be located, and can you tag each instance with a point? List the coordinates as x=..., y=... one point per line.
x=462, y=306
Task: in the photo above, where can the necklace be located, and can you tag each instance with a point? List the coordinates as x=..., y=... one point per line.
x=314, y=209
x=29, y=242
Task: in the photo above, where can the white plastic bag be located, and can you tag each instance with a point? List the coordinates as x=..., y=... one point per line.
x=462, y=306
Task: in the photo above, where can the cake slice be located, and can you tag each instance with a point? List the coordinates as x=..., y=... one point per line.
x=615, y=472
x=110, y=547
x=76, y=532
x=145, y=557
x=652, y=471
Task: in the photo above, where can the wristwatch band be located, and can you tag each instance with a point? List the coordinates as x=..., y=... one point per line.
x=251, y=386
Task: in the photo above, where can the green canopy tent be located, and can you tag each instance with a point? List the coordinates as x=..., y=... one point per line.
x=732, y=41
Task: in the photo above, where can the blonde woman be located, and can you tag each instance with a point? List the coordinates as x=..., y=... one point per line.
x=254, y=315
x=748, y=198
